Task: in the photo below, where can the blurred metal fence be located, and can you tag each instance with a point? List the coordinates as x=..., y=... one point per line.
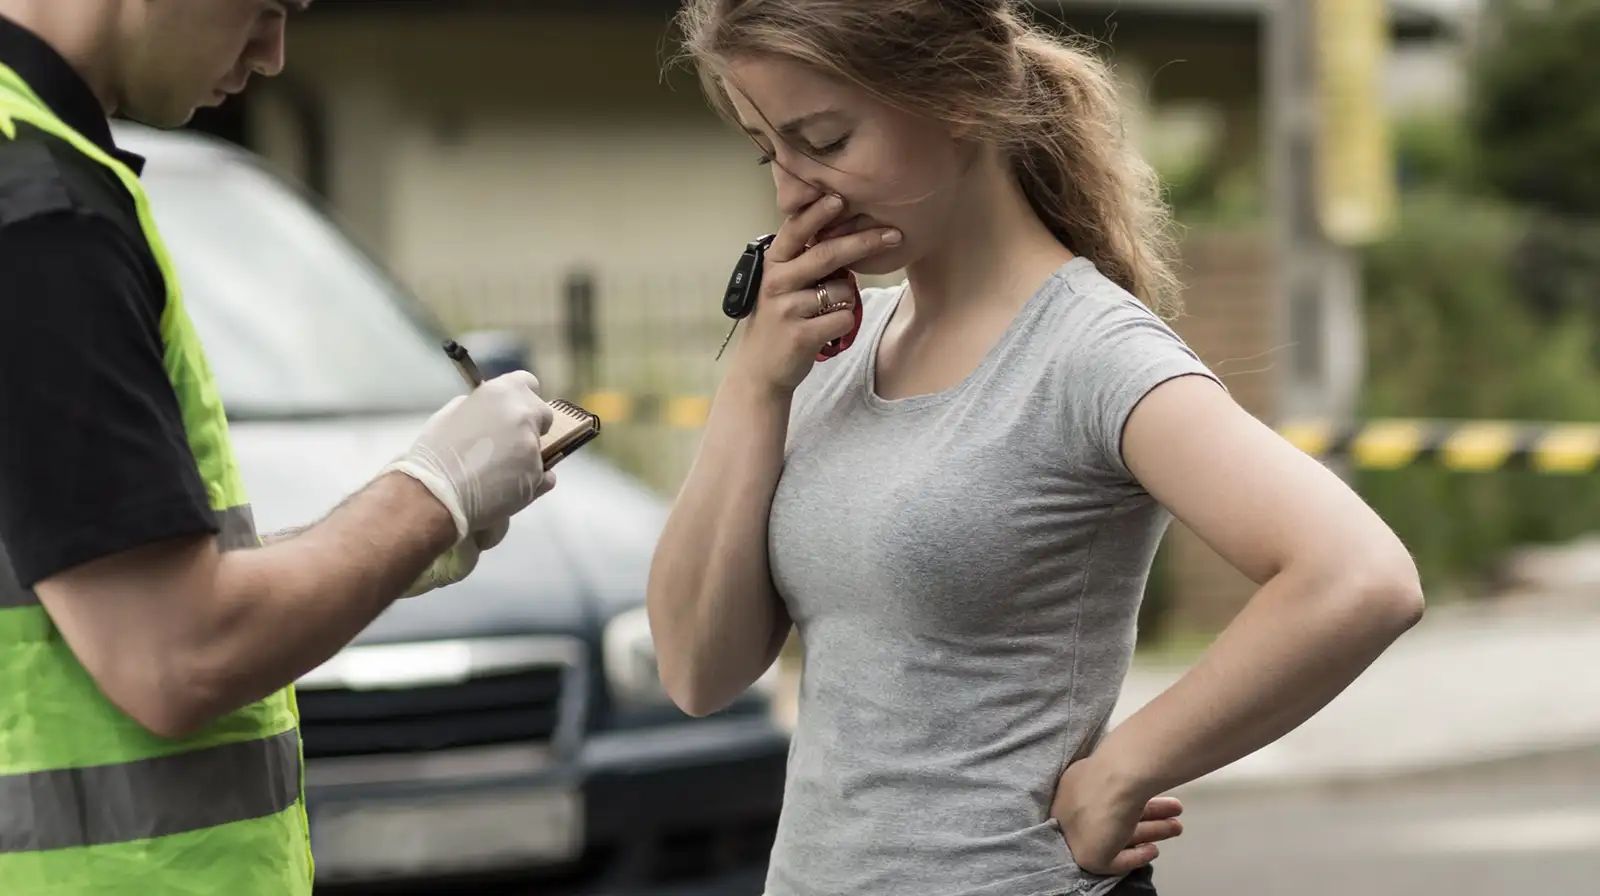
x=638, y=347
x=607, y=331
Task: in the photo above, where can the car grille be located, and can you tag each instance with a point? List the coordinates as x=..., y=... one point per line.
x=512, y=697
x=706, y=852
x=496, y=710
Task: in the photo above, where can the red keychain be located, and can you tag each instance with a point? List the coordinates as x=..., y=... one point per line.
x=843, y=342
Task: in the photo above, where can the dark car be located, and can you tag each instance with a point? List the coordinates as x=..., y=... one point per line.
x=507, y=729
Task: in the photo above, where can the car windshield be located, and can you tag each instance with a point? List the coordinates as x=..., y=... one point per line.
x=296, y=321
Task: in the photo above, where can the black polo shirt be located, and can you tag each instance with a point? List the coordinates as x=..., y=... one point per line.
x=93, y=455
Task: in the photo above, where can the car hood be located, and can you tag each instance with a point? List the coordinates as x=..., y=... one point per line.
x=578, y=556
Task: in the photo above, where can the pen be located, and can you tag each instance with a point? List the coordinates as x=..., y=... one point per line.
x=464, y=363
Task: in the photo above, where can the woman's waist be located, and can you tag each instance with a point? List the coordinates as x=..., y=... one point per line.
x=878, y=735
x=1005, y=847
x=981, y=792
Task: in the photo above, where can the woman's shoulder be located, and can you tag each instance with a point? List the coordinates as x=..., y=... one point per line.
x=1108, y=350
x=1092, y=320
x=1095, y=300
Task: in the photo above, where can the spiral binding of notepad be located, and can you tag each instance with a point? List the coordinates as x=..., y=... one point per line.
x=575, y=412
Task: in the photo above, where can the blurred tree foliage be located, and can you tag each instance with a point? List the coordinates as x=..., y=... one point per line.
x=1535, y=113
x=1485, y=302
x=1451, y=334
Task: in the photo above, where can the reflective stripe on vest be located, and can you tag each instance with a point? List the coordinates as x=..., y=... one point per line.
x=149, y=798
x=91, y=802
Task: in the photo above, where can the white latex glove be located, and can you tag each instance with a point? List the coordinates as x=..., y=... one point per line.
x=479, y=455
x=457, y=563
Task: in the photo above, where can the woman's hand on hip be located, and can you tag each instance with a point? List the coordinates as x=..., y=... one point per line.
x=799, y=310
x=1108, y=830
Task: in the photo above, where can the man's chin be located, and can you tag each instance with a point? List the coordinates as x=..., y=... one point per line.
x=164, y=119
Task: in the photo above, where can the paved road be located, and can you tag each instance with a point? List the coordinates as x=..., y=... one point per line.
x=1532, y=830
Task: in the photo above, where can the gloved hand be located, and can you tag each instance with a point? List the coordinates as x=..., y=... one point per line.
x=479, y=455
x=457, y=563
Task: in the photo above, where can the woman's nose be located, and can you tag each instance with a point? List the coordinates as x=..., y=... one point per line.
x=794, y=193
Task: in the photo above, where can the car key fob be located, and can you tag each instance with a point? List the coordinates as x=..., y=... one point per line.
x=744, y=285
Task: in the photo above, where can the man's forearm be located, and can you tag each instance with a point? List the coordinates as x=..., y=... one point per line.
x=282, y=535
x=292, y=604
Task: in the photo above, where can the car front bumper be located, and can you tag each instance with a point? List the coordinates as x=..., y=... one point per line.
x=689, y=808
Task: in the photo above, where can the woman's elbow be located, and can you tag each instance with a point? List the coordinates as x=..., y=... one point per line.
x=1388, y=593
x=691, y=690
x=699, y=706
x=680, y=663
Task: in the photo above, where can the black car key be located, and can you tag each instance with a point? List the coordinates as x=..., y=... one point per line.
x=744, y=285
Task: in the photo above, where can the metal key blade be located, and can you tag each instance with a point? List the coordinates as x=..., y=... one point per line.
x=725, y=340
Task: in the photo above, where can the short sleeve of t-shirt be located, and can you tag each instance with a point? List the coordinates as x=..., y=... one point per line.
x=1121, y=351
x=94, y=459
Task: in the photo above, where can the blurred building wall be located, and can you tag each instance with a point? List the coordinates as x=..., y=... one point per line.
x=477, y=141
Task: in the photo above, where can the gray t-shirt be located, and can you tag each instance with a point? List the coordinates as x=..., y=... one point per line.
x=965, y=569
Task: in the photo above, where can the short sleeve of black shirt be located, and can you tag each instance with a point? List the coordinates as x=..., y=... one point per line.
x=93, y=455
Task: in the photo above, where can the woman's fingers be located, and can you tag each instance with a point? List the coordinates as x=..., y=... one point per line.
x=1162, y=807
x=1153, y=831
x=797, y=232
x=1134, y=858
x=825, y=258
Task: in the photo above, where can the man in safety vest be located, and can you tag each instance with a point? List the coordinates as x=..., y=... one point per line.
x=149, y=740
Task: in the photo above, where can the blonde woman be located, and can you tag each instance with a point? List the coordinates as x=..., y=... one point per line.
x=958, y=513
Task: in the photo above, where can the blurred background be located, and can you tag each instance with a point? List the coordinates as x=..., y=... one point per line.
x=1391, y=252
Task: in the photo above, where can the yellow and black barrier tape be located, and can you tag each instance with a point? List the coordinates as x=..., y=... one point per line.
x=1473, y=446
x=676, y=411
x=1377, y=444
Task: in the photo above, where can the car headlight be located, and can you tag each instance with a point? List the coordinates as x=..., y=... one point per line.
x=629, y=655
x=630, y=660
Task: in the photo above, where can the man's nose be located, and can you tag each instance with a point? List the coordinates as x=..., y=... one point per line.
x=267, y=48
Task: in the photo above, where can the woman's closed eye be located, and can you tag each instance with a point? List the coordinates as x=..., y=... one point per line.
x=832, y=148
x=815, y=152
